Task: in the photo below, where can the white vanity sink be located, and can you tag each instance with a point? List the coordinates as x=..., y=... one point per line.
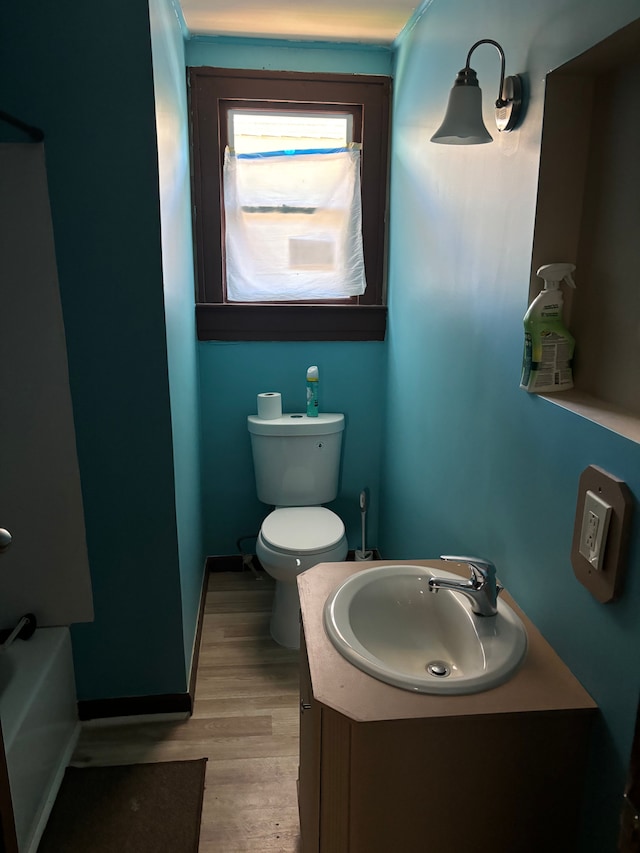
x=387, y=622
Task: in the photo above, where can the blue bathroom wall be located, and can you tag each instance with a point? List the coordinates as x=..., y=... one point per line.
x=275, y=55
x=472, y=463
x=84, y=74
x=352, y=378
x=231, y=375
x=177, y=263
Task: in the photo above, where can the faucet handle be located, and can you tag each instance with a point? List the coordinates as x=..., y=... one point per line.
x=481, y=570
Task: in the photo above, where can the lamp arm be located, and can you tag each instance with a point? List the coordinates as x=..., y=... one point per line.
x=500, y=102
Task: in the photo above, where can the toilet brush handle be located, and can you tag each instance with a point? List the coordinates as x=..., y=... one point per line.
x=363, y=516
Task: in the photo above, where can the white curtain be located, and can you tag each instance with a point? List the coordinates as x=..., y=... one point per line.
x=293, y=225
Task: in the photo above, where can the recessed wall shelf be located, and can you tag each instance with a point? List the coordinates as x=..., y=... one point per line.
x=588, y=214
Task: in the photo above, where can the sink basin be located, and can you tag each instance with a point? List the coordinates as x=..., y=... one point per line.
x=386, y=622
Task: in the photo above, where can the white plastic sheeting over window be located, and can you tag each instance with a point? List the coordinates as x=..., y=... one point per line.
x=293, y=225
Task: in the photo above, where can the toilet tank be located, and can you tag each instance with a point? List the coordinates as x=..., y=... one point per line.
x=296, y=458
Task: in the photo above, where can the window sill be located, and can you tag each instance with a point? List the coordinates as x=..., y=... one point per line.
x=291, y=322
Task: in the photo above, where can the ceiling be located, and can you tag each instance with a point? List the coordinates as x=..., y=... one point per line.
x=354, y=21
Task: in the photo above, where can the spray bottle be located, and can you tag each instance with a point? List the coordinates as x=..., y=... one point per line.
x=312, y=392
x=548, y=346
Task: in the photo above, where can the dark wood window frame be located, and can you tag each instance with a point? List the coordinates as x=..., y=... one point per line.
x=212, y=91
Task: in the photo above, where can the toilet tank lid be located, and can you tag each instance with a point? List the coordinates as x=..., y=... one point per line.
x=296, y=424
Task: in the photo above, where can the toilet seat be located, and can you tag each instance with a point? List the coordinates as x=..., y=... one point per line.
x=302, y=529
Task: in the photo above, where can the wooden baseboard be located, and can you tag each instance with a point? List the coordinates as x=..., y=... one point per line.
x=198, y=636
x=228, y=563
x=130, y=706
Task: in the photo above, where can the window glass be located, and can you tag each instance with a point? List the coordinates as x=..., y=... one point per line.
x=253, y=131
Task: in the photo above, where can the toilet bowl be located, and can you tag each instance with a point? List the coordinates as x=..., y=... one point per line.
x=292, y=540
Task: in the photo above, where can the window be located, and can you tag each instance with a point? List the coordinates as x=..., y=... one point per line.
x=337, y=121
x=253, y=131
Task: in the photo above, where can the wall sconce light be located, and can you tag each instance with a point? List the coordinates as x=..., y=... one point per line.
x=463, y=124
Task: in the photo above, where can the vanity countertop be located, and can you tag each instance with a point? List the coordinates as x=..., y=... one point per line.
x=542, y=684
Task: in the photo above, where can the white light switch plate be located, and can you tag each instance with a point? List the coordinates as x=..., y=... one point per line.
x=601, y=533
x=595, y=526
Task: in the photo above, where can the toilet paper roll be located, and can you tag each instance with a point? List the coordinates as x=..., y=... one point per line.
x=269, y=405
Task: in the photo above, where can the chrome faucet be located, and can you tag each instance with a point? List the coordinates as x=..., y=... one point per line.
x=481, y=588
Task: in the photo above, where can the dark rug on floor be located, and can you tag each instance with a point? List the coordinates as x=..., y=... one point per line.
x=138, y=808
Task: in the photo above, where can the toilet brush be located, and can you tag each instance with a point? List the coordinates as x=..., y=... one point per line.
x=363, y=554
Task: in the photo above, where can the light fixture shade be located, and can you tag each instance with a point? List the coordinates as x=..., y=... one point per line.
x=463, y=123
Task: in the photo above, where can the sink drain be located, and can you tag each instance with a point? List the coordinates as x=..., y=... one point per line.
x=438, y=668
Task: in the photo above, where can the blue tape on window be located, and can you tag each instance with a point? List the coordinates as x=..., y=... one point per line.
x=290, y=152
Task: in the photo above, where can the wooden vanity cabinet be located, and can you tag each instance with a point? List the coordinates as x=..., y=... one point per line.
x=385, y=770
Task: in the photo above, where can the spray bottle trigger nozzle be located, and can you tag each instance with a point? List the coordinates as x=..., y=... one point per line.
x=553, y=274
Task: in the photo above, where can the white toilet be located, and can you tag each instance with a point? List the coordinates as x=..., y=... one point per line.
x=296, y=461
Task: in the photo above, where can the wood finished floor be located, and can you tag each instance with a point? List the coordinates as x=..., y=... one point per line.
x=245, y=722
